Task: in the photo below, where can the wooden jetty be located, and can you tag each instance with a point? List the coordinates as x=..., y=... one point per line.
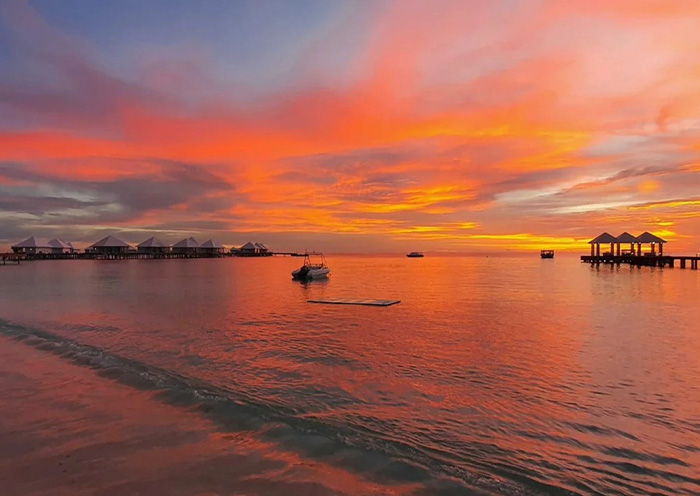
x=14, y=258
x=634, y=255
x=120, y=256
x=645, y=261
x=245, y=254
x=129, y=255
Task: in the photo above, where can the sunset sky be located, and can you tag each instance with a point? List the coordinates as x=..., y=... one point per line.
x=351, y=126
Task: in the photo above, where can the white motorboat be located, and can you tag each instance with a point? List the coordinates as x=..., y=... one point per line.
x=316, y=269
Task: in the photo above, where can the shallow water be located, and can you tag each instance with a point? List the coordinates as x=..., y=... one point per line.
x=498, y=375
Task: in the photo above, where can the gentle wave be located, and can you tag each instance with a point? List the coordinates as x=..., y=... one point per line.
x=370, y=452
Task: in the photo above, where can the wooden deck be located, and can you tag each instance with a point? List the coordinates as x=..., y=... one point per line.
x=118, y=256
x=13, y=258
x=645, y=261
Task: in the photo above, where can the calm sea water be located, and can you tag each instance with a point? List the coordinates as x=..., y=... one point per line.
x=494, y=375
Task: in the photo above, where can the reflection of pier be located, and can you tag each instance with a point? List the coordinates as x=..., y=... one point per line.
x=634, y=255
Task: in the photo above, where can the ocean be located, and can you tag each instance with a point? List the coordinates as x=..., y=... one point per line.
x=503, y=375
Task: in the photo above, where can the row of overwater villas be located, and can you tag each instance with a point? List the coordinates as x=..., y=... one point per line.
x=112, y=245
x=635, y=243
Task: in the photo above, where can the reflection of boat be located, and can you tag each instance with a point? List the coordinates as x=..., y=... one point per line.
x=318, y=269
x=415, y=254
x=547, y=254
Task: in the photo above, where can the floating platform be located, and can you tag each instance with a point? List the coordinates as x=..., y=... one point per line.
x=356, y=301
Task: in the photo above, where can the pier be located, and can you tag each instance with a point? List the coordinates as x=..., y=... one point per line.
x=645, y=261
x=14, y=258
x=634, y=255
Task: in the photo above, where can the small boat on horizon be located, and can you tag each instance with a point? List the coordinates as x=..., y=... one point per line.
x=415, y=254
x=318, y=269
x=547, y=254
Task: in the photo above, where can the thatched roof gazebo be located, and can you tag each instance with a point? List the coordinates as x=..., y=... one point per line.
x=635, y=243
x=626, y=238
x=648, y=238
x=604, y=239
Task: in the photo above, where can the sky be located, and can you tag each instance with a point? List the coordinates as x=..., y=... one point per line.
x=380, y=126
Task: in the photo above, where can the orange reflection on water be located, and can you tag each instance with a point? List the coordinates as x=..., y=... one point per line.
x=550, y=370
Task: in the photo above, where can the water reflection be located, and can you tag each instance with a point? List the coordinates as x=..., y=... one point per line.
x=551, y=374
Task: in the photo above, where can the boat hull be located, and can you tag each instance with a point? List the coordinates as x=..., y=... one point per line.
x=311, y=274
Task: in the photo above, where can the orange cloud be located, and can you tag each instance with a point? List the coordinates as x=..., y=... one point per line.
x=457, y=126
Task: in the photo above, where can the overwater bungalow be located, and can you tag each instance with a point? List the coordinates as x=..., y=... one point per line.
x=248, y=249
x=58, y=246
x=31, y=246
x=188, y=246
x=109, y=245
x=210, y=247
x=251, y=249
x=153, y=245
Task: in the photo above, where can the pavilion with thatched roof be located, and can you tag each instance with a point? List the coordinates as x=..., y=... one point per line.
x=604, y=239
x=653, y=240
x=635, y=244
x=626, y=238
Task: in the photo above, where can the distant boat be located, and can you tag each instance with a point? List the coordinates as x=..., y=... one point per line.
x=547, y=254
x=312, y=270
x=415, y=254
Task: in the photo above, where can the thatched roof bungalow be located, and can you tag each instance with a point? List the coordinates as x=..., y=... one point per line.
x=109, y=245
x=211, y=247
x=60, y=246
x=153, y=245
x=31, y=246
x=187, y=246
